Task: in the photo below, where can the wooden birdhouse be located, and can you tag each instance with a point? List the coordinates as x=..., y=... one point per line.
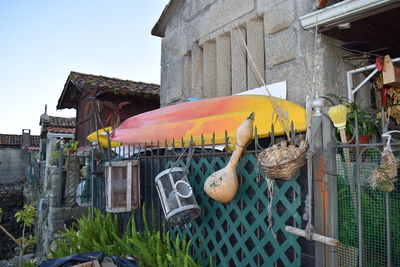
x=390, y=73
x=122, y=186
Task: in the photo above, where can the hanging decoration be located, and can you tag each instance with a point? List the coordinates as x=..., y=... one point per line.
x=176, y=196
x=282, y=161
x=222, y=185
x=175, y=192
x=385, y=174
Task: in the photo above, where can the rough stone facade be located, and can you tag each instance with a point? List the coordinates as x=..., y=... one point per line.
x=11, y=201
x=52, y=215
x=14, y=165
x=203, y=52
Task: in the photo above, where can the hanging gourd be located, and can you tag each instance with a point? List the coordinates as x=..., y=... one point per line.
x=222, y=185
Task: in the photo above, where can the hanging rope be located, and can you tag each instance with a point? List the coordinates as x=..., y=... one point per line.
x=281, y=114
x=388, y=135
x=191, y=148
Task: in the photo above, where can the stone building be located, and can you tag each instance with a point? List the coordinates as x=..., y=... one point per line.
x=204, y=44
x=17, y=154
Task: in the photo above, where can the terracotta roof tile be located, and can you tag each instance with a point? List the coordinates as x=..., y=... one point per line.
x=16, y=140
x=61, y=122
x=105, y=85
x=114, y=85
x=61, y=130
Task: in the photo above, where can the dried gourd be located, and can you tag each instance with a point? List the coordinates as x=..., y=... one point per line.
x=222, y=185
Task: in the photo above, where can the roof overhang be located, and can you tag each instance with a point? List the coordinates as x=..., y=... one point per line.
x=161, y=24
x=367, y=28
x=341, y=11
x=68, y=98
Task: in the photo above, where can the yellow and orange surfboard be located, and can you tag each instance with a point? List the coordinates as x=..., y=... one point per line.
x=208, y=116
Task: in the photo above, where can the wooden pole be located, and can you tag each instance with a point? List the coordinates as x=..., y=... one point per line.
x=315, y=237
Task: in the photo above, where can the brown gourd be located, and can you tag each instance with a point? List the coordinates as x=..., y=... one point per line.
x=222, y=185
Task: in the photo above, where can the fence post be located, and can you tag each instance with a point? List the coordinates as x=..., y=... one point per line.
x=92, y=176
x=325, y=190
x=60, y=174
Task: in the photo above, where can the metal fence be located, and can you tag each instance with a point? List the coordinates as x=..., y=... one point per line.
x=368, y=219
x=236, y=233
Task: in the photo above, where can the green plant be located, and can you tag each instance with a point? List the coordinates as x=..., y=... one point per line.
x=367, y=123
x=150, y=247
x=373, y=220
x=71, y=146
x=31, y=263
x=26, y=216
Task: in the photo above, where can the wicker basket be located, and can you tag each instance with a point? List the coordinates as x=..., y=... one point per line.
x=282, y=161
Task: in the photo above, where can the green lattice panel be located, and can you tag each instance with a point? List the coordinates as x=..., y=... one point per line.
x=236, y=234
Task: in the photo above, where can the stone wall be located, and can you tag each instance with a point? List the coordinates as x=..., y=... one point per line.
x=51, y=216
x=203, y=52
x=11, y=201
x=13, y=165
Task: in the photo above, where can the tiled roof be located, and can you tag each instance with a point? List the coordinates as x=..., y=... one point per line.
x=61, y=122
x=57, y=124
x=16, y=140
x=103, y=84
x=61, y=130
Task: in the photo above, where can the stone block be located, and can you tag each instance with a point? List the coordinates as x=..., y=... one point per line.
x=174, y=45
x=255, y=59
x=209, y=70
x=223, y=65
x=281, y=47
x=187, y=75
x=222, y=13
x=171, y=82
x=197, y=71
x=194, y=8
x=304, y=7
x=265, y=6
x=296, y=75
x=279, y=18
x=239, y=61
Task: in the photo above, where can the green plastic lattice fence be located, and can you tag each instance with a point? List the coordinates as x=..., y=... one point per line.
x=236, y=234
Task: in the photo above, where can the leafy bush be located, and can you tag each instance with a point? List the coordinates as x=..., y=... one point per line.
x=151, y=247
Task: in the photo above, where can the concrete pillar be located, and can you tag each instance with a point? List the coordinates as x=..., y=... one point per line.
x=255, y=44
x=209, y=69
x=238, y=53
x=187, y=75
x=197, y=71
x=224, y=65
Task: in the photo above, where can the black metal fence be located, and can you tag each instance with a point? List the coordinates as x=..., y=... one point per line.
x=236, y=233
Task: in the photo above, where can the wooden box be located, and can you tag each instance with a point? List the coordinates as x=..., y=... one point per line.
x=391, y=73
x=122, y=186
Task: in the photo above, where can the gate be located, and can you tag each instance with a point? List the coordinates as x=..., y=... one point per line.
x=368, y=220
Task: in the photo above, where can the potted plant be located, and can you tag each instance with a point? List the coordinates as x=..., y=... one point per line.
x=366, y=118
x=366, y=122
x=71, y=147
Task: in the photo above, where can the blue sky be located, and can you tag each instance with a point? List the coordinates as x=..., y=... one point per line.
x=42, y=41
